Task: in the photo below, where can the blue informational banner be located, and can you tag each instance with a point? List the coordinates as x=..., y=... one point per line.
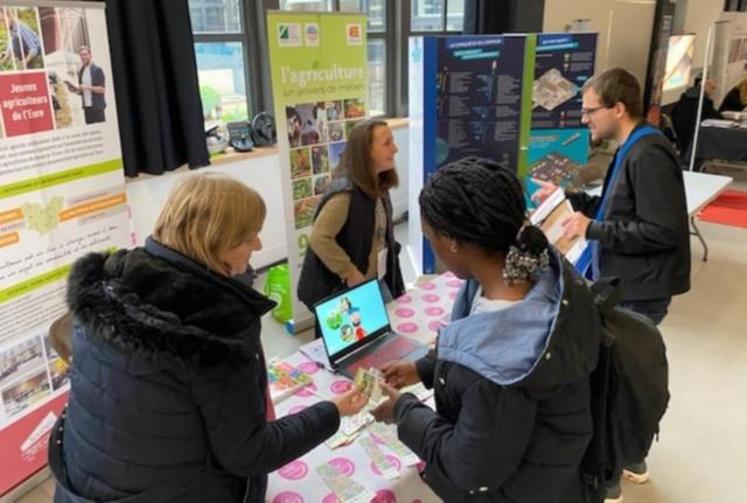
x=467, y=98
x=559, y=143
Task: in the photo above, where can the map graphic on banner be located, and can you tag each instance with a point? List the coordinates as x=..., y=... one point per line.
x=559, y=143
x=62, y=194
x=320, y=87
x=468, y=97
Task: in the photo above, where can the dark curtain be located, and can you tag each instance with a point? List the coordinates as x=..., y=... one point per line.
x=155, y=77
x=503, y=16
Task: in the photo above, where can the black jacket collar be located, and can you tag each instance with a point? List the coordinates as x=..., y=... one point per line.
x=156, y=301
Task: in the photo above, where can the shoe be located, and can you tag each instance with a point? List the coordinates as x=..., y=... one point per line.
x=614, y=494
x=636, y=473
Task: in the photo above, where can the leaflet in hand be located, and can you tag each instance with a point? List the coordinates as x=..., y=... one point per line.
x=285, y=379
x=549, y=217
x=368, y=382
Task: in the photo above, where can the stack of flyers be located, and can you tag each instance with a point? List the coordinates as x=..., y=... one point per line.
x=419, y=390
x=284, y=379
x=387, y=435
x=345, y=488
x=385, y=467
x=340, y=439
x=351, y=424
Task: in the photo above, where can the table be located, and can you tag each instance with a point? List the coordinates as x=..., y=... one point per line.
x=700, y=190
x=417, y=314
x=718, y=143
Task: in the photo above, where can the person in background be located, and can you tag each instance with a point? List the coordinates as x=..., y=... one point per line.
x=168, y=398
x=511, y=371
x=352, y=239
x=736, y=99
x=91, y=87
x=685, y=112
x=638, y=229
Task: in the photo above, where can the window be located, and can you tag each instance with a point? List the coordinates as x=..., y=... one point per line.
x=306, y=5
x=430, y=15
x=420, y=18
x=233, y=65
x=220, y=51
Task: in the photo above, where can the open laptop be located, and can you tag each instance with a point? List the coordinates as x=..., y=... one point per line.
x=356, y=331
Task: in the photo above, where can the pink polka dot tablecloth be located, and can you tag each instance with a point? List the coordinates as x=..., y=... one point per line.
x=418, y=314
x=421, y=312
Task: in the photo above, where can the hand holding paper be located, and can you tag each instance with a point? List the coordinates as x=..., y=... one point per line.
x=575, y=225
x=385, y=411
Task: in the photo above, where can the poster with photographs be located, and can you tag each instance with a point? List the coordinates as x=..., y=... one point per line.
x=317, y=134
x=62, y=195
x=319, y=79
x=47, y=53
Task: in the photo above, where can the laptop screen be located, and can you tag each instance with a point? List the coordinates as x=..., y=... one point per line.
x=351, y=317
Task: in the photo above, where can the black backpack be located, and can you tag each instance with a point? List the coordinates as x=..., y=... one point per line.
x=629, y=390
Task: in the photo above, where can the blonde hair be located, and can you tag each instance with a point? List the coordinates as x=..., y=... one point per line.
x=207, y=214
x=742, y=86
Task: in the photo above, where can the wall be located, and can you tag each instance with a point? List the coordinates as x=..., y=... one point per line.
x=700, y=15
x=624, y=28
x=559, y=13
x=146, y=194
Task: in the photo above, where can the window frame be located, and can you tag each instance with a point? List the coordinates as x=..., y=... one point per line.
x=253, y=37
x=404, y=27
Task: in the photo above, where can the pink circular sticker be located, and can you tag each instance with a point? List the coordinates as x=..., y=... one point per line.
x=407, y=328
x=405, y=299
x=288, y=497
x=309, y=367
x=452, y=295
x=297, y=409
x=330, y=498
x=344, y=466
x=428, y=286
x=454, y=283
x=392, y=459
x=434, y=311
x=295, y=470
x=384, y=496
x=340, y=386
x=434, y=326
x=404, y=312
x=306, y=391
x=431, y=297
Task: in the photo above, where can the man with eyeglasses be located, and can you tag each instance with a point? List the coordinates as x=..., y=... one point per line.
x=638, y=229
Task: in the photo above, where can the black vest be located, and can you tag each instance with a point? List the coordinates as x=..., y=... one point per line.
x=356, y=238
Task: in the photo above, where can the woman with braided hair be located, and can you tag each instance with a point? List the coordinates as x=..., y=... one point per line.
x=511, y=371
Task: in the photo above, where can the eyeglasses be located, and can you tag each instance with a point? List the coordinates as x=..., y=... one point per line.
x=588, y=111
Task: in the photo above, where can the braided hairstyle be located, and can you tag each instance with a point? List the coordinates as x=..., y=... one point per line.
x=479, y=201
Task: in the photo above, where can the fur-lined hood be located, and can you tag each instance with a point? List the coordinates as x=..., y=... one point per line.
x=152, y=301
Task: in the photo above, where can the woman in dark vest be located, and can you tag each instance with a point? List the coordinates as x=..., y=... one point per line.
x=353, y=238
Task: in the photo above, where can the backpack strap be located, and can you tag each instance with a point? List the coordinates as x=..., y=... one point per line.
x=606, y=292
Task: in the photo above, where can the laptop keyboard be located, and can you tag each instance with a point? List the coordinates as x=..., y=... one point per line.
x=380, y=355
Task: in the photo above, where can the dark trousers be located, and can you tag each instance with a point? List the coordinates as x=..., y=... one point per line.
x=655, y=309
x=94, y=115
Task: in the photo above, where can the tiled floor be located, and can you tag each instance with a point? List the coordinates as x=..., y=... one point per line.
x=700, y=456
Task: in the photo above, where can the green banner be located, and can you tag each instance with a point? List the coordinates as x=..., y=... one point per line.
x=59, y=178
x=320, y=87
